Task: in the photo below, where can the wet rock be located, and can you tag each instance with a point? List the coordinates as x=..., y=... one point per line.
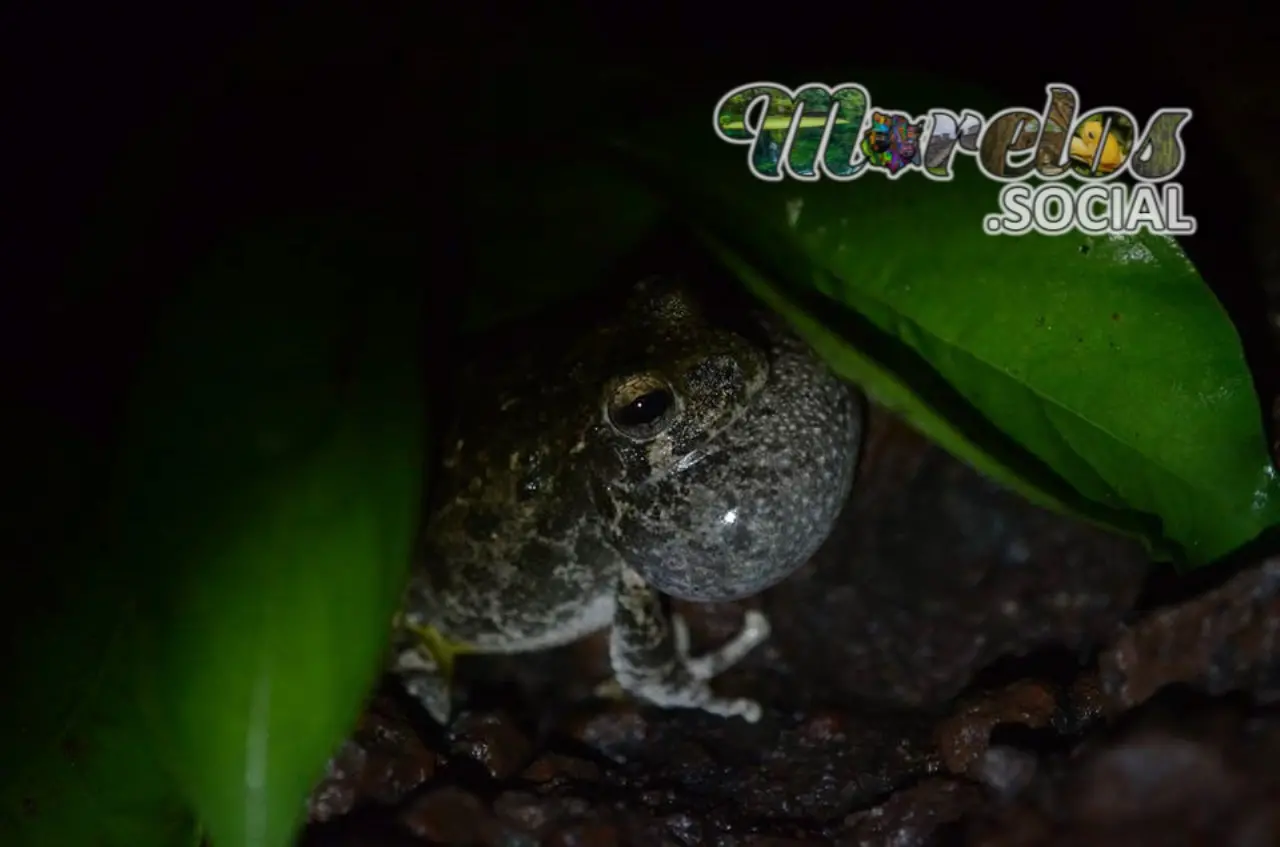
x=814, y=769
x=755, y=839
x=912, y=816
x=493, y=740
x=554, y=769
x=1083, y=706
x=586, y=834
x=612, y=730
x=451, y=816
x=637, y=829
x=903, y=617
x=447, y=815
x=533, y=813
x=685, y=829
x=607, y=824
x=362, y=834
x=1224, y=640
x=1004, y=770
x=338, y=791
x=382, y=761
x=963, y=737
x=1174, y=773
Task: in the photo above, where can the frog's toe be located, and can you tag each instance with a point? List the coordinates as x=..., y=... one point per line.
x=748, y=710
x=434, y=696
x=756, y=626
x=755, y=631
x=688, y=693
x=680, y=635
x=610, y=689
x=423, y=680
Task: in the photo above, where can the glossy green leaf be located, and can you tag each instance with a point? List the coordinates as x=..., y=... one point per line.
x=275, y=461
x=1107, y=362
x=1096, y=376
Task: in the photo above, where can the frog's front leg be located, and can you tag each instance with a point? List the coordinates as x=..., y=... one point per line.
x=422, y=677
x=649, y=653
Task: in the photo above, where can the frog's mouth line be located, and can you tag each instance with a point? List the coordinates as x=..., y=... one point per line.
x=660, y=469
x=690, y=459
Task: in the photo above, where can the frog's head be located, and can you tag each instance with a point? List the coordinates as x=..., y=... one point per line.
x=681, y=381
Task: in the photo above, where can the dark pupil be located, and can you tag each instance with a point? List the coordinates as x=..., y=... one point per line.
x=645, y=409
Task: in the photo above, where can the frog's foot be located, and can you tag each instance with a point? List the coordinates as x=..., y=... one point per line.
x=650, y=654
x=422, y=678
x=755, y=631
x=674, y=687
x=611, y=689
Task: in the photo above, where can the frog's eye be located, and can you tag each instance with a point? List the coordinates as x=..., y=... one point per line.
x=641, y=407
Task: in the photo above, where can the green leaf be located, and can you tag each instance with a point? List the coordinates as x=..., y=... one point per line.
x=79, y=763
x=274, y=465
x=1095, y=376
x=1102, y=363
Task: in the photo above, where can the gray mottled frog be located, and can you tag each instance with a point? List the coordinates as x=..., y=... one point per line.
x=660, y=453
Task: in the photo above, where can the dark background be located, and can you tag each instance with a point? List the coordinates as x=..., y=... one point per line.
x=339, y=105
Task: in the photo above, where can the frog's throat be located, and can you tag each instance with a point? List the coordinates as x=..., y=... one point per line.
x=441, y=650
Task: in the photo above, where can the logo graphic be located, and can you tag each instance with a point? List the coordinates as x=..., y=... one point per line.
x=892, y=142
x=1058, y=168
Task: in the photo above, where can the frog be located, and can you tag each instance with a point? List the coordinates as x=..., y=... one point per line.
x=665, y=451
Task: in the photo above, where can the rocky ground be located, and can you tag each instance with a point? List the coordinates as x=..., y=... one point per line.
x=954, y=667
